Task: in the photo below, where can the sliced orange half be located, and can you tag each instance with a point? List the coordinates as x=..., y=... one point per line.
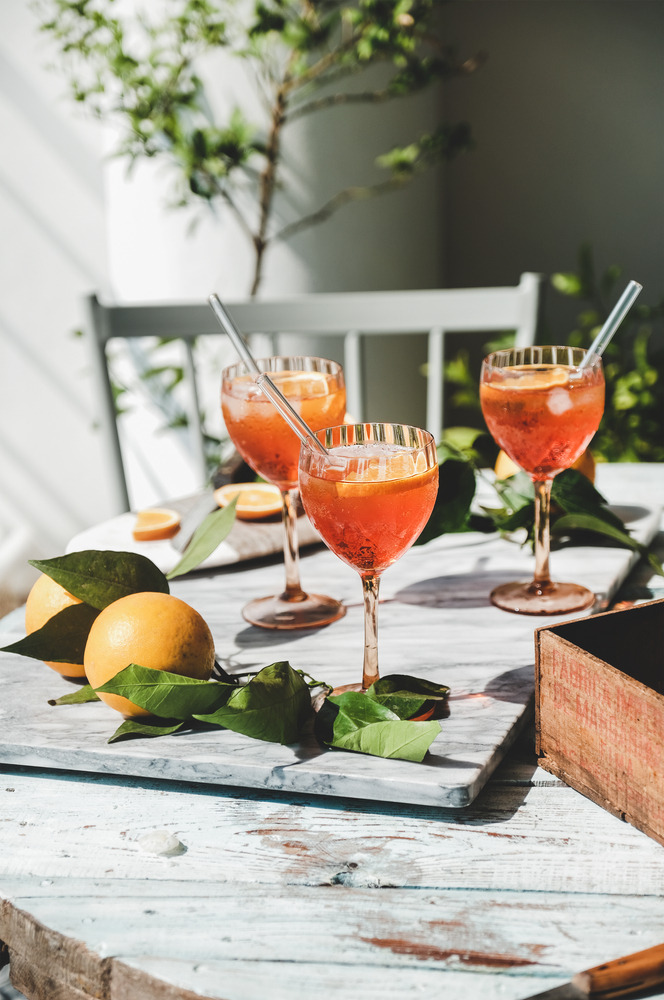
x=255, y=500
x=537, y=377
x=151, y=525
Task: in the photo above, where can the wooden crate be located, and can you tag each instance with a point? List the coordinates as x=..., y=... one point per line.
x=600, y=710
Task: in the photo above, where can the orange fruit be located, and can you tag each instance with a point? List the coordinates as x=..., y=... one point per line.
x=154, y=630
x=255, y=500
x=505, y=467
x=159, y=522
x=45, y=600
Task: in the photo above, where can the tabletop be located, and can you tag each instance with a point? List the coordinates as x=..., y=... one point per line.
x=264, y=895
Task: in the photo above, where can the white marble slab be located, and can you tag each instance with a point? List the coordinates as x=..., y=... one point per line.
x=435, y=620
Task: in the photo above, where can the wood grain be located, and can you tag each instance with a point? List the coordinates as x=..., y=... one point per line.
x=600, y=726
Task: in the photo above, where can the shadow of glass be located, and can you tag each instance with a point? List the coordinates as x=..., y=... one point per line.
x=464, y=590
x=514, y=686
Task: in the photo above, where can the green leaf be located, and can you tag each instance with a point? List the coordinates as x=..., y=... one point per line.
x=100, y=578
x=400, y=739
x=208, y=535
x=134, y=727
x=406, y=696
x=84, y=694
x=273, y=706
x=574, y=492
x=167, y=694
x=62, y=639
x=456, y=489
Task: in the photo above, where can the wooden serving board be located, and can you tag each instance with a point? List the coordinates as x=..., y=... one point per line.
x=435, y=621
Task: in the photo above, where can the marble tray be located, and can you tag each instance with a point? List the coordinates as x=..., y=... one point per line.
x=435, y=620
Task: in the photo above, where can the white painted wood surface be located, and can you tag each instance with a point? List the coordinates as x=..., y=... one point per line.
x=279, y=896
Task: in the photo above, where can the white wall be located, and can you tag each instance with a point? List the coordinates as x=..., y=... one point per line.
x=53, y=477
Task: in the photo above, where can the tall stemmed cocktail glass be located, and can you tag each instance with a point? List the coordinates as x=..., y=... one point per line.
x=315, y=388
x=369, y=498
x=543, y=409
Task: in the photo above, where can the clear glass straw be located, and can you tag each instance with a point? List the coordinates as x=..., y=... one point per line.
x=265, y=383
x=616, y=317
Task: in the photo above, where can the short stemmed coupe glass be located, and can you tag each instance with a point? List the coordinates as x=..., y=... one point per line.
x=315, y=388
x=542, y=407
x=370, y=498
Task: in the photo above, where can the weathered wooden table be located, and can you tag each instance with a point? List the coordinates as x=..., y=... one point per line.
x=281, y=895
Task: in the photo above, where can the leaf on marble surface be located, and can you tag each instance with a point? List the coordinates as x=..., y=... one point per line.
x=145, y=727
x=353, y=721
x=588, y=522
x=208, y=536
x=273, y=706
x=407, y=696
x=168, y=695
x=80, y=697
x=101, y=577
x=62, y=639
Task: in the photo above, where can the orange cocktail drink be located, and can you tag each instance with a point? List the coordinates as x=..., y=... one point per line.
x=542, y=405
x=258, y=430
x=370, y=498
x=543, y=416
x=315, y=388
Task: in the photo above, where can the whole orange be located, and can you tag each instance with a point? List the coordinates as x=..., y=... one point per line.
x=154, y=630
x=45, y=600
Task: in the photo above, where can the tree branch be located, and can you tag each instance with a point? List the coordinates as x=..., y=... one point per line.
x=339, y=200
x=366, y=97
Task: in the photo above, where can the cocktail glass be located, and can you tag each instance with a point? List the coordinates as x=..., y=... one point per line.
x=369, y=499
x=543, y=410
x=315, y=388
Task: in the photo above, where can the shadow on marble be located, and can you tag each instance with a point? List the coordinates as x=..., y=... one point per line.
x=514, y=686
x=463, y=590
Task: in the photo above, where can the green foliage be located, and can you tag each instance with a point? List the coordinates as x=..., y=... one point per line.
x=209, y=534
x=632, y=428
x=142, y=72
x=84, y=694
x=165, y=694
x=62, y=639
x=101, y=577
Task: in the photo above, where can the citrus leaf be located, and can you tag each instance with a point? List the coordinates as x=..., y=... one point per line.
x=168, y=695
x=134, y=727
x=273, y=706
x=209, y=534
x=401, y=739
x=99, y=578
x=62, y=639
x=586, y=522
x=574, y=492
x=406, y=695
x=85, y=693
x=456, y=489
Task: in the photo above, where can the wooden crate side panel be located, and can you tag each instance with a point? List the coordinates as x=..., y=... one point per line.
x=603, y=726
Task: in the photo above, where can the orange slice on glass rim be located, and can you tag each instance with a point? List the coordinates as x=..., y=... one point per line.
x=255, y=500
x=159, y=522
x=537, y=377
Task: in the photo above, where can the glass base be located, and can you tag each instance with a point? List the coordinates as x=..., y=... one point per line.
x=549, y=599
x=310, y=612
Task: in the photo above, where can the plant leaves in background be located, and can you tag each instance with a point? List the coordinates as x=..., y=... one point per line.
x=62, y=639
x=136, y=727
x=406, y=695
x=168, y=695
x=84, y=694
x=208, y=535
x=99, y=578
x=273, y=706
x=400, y=739
x=456, y=489
x=575, y=494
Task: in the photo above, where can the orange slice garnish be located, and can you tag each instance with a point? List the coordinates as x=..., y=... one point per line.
x=534, y=377
x=255, y=500
x=151, y=525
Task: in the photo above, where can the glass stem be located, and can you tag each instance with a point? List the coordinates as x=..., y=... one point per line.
x=542, y=581
x=293, y=591
x=370, y=585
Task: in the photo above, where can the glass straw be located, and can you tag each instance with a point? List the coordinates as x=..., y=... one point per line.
x=263, y=381
x=616, y=317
